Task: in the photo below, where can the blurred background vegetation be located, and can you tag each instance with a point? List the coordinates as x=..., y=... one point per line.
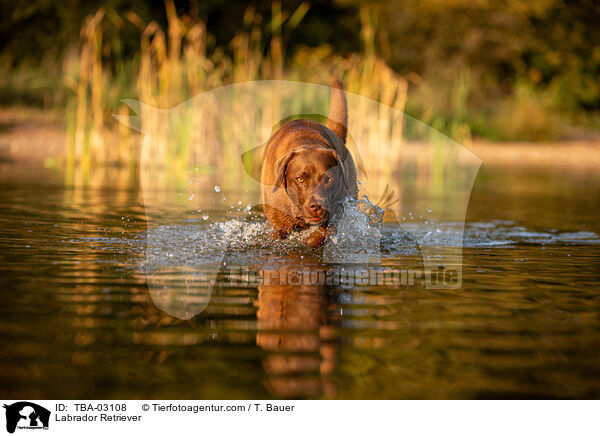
x=494, y=69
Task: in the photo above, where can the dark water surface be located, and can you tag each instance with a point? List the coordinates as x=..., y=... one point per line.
x=78, y=320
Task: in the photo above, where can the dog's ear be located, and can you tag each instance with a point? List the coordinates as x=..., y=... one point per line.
x=280, y=169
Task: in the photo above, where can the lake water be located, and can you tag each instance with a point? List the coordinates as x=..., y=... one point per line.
x=100, y=298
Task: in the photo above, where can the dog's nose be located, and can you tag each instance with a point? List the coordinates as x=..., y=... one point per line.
x=315, y=207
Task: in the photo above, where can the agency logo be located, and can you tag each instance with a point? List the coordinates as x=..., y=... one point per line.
x=26, y=415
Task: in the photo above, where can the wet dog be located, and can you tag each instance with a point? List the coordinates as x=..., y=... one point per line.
x=307, y=171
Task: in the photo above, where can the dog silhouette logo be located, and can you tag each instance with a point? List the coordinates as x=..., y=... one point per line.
x=431, y=174
x=26, y=415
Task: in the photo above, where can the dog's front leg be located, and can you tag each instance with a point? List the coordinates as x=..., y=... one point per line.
x=319, y=236
x=286, y=225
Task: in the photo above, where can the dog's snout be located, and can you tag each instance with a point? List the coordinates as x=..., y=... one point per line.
x=316, y=207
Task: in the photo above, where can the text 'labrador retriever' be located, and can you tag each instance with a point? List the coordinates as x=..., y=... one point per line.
x=307, y=171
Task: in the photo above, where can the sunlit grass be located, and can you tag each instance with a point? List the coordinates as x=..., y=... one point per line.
x=175, y=64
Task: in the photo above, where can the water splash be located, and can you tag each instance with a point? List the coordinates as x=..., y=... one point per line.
x=357, y=239
x=361, y=237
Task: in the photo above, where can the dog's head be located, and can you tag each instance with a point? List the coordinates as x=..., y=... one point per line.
x=315, y=179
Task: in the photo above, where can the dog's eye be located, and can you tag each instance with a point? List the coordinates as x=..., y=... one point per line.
x=300, y=179
x=328, y=179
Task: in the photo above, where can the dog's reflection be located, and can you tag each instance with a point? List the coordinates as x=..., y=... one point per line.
x=297, y=327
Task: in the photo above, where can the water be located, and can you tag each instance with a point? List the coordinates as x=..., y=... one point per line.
x=84, y=313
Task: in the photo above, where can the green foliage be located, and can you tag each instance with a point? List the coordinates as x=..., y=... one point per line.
x=502, y=69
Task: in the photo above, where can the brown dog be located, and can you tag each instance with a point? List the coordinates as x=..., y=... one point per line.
x=307, y=171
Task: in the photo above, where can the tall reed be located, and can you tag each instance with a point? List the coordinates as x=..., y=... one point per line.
x=87, y=144
x=175, y=64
